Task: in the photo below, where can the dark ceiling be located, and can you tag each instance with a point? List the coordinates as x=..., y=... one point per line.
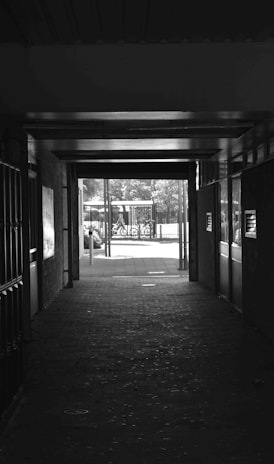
x=134, y=137
x=139, y=137
x=46, y=22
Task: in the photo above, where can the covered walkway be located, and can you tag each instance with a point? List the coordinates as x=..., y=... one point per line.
x=143, y=370
x=131, y=366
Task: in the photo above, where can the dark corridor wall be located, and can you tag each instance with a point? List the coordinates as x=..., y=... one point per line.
x=52, y=268
x=206, y=239
x=258, y=253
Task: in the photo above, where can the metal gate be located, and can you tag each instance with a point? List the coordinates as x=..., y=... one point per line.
x=11, y=285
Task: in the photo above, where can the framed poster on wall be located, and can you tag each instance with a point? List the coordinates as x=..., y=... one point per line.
x=48, y=222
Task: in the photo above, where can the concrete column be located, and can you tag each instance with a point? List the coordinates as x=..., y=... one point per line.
x=193, y=242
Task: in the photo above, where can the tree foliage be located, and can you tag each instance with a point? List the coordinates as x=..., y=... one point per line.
x=93, y=189
x=130, y=189
x=165, y=196
x=164, y=192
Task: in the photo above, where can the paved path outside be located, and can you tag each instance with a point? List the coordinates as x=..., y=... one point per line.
x=134, y=257
x=143, y=370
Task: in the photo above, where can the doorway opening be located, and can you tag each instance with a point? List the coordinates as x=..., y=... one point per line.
x=130, y=227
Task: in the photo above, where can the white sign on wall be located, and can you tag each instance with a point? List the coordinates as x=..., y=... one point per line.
x=48, y=223
x=209, y=222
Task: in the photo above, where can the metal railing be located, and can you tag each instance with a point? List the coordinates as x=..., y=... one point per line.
x=11, y=286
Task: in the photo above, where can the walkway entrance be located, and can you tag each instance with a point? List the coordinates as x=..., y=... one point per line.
x=144, y=232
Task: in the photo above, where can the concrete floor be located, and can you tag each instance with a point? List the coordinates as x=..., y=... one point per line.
x=143, y=369
x=134, y=257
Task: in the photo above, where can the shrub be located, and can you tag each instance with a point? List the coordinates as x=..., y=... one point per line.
x=97, y=241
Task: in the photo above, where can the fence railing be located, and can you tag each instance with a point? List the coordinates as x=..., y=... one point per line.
x=137, y=231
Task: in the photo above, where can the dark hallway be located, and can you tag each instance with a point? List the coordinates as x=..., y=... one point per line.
x=151, y=370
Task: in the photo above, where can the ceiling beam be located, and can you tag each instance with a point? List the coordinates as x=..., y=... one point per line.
x=137, y=125
x=148, y=145
x=133, y=156
x=138, y=171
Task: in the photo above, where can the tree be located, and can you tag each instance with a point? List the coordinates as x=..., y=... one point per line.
x=93, y=189
x=164, y=192
x=165, y=195
x=130, y=189
x=117, y=189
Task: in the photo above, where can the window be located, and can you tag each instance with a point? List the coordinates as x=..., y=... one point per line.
x=236, y=211
x=237, y=163
x=223, y=211
x=260, y=153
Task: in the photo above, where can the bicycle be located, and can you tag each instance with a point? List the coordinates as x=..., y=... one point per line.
x=145, y=229
x=133, y=231
x=148, y=227
x=118, y=229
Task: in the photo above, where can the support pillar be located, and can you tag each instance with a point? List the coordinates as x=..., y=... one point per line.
x=193, y=242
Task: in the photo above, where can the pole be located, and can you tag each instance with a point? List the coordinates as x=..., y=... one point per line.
x=106, y=225
x=109, y=219
x=90, y=247
x=180, y=225
x=185, y=224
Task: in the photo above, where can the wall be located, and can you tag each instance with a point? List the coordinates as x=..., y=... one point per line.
x=122, y=77
x=52, y=268
x=258, y=254
x=206, y=240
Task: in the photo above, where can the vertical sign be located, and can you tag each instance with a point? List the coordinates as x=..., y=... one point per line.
x=209, y=221
x=48, y=223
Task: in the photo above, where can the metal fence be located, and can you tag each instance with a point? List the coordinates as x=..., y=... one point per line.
x=11, y=286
